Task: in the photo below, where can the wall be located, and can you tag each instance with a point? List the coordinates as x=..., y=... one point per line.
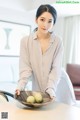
x=16, y=16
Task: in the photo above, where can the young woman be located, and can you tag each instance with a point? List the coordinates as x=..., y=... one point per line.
x=41, y=54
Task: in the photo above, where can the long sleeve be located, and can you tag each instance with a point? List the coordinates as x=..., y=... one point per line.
x=54, y=75
x=24, y=64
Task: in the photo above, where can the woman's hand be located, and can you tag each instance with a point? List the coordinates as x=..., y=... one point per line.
x=52, y=98
x=50, y=92
x=17, y=92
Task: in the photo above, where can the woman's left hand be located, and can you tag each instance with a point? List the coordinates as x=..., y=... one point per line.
x=52, y=98
x=50, y=93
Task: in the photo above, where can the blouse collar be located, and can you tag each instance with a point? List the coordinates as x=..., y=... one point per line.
x=52, y=37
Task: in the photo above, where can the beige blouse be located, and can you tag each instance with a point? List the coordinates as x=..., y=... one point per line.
x=44, y=68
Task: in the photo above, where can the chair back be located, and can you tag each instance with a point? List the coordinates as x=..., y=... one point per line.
x=73, y=71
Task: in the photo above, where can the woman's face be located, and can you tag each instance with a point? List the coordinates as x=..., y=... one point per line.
x=45, y=22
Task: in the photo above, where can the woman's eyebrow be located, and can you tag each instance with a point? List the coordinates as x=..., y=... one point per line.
x=45, y=18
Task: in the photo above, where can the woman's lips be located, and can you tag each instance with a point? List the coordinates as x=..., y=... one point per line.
x=44, y=29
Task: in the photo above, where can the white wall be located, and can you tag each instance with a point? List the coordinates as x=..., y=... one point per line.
x=16, y=16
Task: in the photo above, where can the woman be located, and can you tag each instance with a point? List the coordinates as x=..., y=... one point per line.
x=41, y=54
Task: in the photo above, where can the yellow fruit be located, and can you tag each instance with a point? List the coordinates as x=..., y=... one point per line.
x=38, y=97
x=30, y=99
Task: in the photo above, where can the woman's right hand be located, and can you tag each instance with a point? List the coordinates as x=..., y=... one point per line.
x=17, y=92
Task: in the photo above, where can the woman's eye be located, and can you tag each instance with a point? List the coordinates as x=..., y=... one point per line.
x=50, y=21
x=42, y=19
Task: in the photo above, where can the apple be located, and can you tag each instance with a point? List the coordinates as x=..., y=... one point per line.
x=38, y=97
x=30, y=99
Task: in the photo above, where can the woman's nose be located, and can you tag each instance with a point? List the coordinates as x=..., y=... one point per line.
x=45, y=24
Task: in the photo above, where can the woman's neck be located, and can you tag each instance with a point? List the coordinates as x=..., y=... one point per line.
x=43, y=35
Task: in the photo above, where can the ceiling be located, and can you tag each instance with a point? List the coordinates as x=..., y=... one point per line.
x=32, y=5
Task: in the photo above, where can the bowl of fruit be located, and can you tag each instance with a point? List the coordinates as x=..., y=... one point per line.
x=33, y=98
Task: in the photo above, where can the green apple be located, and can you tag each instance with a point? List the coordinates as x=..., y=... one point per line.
x=30, y=99
x=38, y=97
